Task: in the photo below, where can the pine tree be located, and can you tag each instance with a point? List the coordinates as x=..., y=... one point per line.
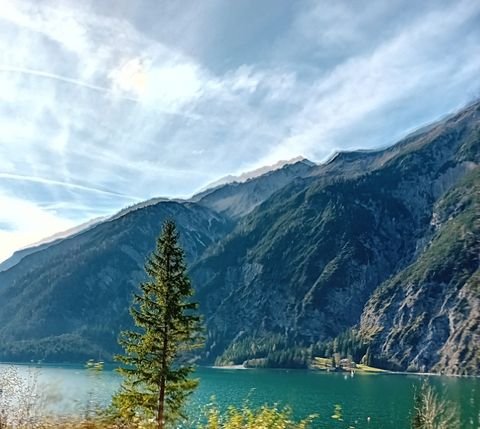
x=156, y=367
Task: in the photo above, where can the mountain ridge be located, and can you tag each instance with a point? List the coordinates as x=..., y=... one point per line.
x=18, y=255
x=252, y=174
x=197, y=197
x=293, y=259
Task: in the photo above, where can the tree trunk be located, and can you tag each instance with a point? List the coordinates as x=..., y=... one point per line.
x=163, y=382
x=163, y=378
x=161, y=405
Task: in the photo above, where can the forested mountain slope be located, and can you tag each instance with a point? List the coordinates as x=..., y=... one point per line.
x=381, y=243
x=303, y=265
x=69, y=300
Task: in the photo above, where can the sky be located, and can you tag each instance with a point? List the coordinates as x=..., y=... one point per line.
x=107, y=103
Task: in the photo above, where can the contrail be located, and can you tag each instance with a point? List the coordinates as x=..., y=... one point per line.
x=45, y=181
x=83, y=84
x=61, y=78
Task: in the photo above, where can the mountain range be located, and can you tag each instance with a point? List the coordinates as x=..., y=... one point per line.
x=380, y=246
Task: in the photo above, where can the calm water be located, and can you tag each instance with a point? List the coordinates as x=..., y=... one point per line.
x=386, y=399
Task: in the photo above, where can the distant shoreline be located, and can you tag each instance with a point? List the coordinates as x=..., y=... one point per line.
x=384, y=371
x=242, y=367
x=239, y=366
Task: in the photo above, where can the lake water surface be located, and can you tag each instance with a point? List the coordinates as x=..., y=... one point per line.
x=386, y=398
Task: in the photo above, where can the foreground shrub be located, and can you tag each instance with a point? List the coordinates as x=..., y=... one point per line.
x=20, y=401
x=433, y=412
x=246, y=418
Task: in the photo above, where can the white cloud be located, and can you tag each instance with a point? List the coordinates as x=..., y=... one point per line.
x=173, y=84
x=405, y=65
x=97, y=110
x=27, y=224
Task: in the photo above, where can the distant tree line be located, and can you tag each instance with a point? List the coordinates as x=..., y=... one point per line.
x=349, y=344
x=274, y=351
x=277, y=351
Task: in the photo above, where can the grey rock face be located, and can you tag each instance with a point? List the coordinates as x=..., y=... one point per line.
x=426, y=317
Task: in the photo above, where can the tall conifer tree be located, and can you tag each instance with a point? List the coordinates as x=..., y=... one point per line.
x=156, y=368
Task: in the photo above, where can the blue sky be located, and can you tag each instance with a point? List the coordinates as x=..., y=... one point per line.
x=106, y=103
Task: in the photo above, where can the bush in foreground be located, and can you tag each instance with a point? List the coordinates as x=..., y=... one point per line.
x=246, y=418
x=433, y=412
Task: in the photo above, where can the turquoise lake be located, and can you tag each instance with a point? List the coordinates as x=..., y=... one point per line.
x=386, y=398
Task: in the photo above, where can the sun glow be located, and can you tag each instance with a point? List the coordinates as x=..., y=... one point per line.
x=170, y=84
x=131, y=77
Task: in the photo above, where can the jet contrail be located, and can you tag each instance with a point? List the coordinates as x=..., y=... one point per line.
x=61, y=78
x=83, y=84
x=45, y=181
